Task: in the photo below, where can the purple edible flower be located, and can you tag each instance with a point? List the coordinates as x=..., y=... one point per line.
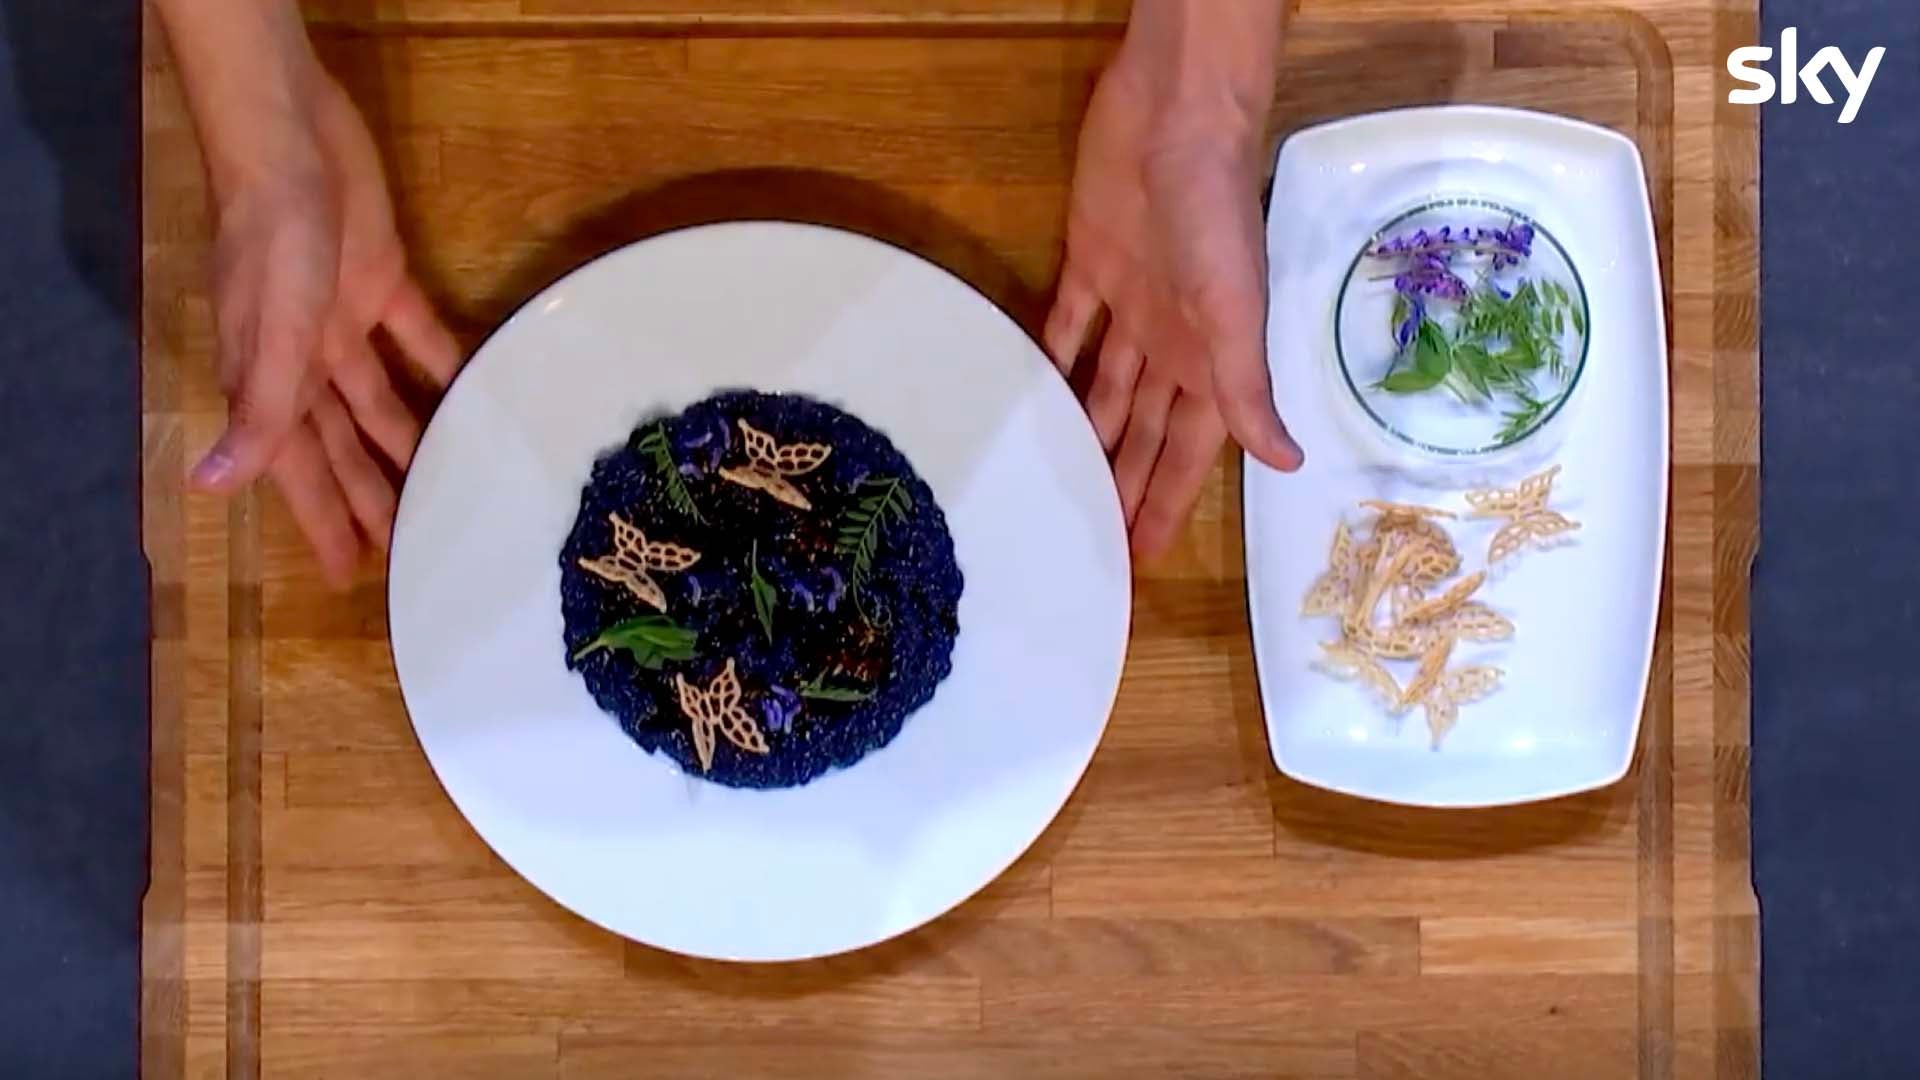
x=779, y=708
x=1430, y=277
x=703, y=444
x=799, y=589
x=837, y=590
x=1507, y=247
x=1409, y=326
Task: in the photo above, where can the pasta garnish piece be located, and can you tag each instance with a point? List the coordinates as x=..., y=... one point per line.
x=1474, y=621
x=1456, y=688
x=635, y=560
x=1343, y=661
x=1525, y=509
x=769, y=464
x=1447, y=602
x=717, y=708
x=1334, y=587
x=1530, y=495
x=1432, y=666
x=1516, y=534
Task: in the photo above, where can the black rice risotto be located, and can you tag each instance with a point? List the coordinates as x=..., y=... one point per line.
x=760, y=588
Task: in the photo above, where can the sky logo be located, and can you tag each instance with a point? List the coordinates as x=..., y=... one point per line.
x=1745, y=65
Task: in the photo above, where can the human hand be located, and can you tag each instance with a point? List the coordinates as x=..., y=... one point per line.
x=308, y=269
x=1164, y=232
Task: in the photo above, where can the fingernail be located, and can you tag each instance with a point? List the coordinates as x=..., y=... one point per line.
x=214, y=469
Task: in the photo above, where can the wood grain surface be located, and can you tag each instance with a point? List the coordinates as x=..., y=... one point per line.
x=318, y=908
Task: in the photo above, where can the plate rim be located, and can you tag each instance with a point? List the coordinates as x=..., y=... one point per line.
x=1117, y=518
x=1452, y=114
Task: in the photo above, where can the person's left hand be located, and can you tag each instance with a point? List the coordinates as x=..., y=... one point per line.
x=1164, y=232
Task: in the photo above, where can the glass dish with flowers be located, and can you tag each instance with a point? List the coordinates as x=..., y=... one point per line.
x=1460, y=336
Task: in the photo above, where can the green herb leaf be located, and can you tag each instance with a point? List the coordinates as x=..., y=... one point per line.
x=834, y=693
x=654, y=444
x=1401, y=309
x=1522, y=420
x=1489, y=350
x=859, y=531
x=1524, y=354
x=650, y=639
x=1409, y=382
x=1473, y=362
x=764, y=598
x=1432, y=355
x=1556, y=357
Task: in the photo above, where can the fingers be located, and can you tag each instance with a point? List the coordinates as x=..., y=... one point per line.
x=1140, y=446
x=318, y=506
x=416, y=327
x=274, y=366
x=1245, y=398
x=369, y=394
x=1194, y=436
x=368, y=492
x=1233, y=321
x=1112, y=391
x=1075, y=305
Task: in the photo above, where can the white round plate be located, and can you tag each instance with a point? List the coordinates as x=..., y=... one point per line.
x=627, y=840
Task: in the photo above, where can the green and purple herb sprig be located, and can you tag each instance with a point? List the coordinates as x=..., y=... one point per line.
x=1483, y=342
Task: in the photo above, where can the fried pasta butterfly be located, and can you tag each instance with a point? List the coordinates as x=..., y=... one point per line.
x=770, y=464
x=1404, y=560
x=1399, y=525
x=1345, y=661
x=636, y=559
x=1454, y=689
x=718, y=708
x=1525, y=508
x=1335, y=586
x=1474, y=621
x=1439, y=607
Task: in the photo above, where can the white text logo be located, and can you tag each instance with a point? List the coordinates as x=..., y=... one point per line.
x=1744, y=65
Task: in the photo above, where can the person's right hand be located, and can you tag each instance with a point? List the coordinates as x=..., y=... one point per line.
x=308, y=268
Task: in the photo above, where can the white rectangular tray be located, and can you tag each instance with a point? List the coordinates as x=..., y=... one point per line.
x=1568, y=713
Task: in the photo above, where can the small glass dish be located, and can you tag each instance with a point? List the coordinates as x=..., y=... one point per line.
x=1462, y=427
